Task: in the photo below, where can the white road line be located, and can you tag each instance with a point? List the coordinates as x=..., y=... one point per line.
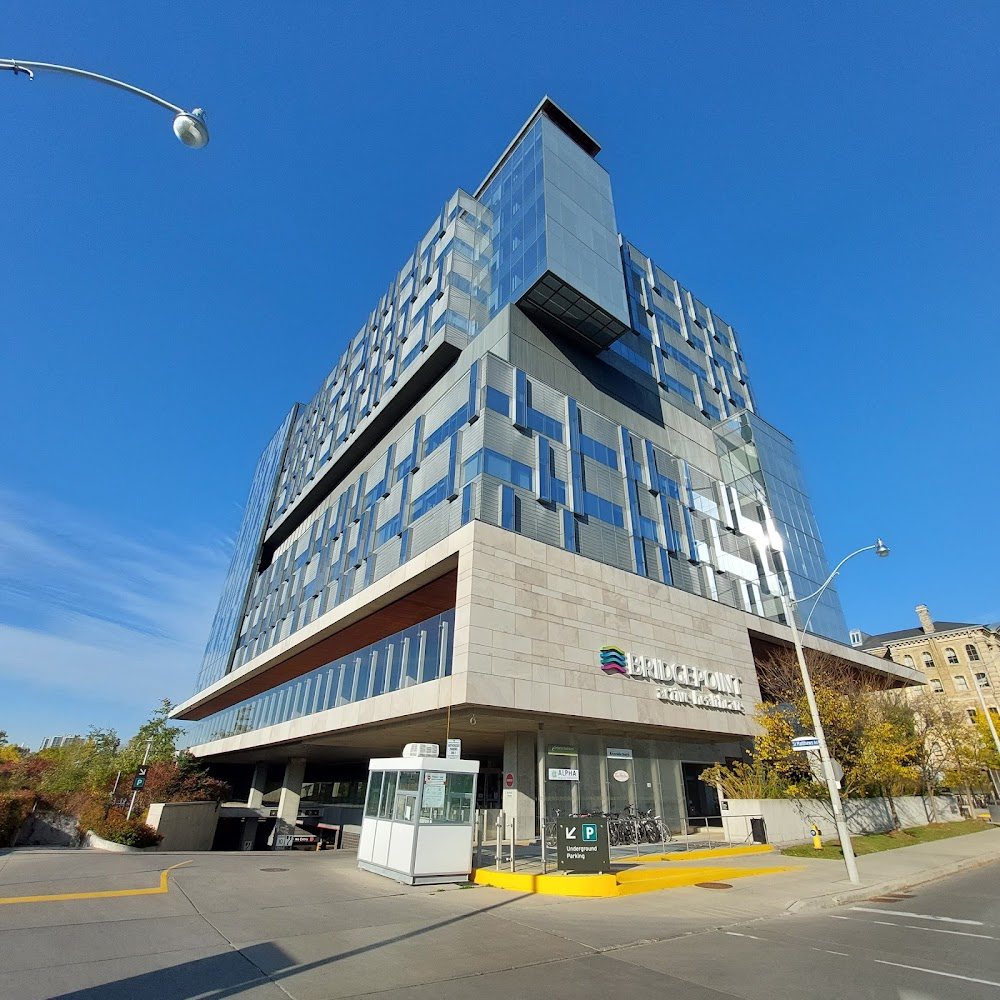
x=843, y=954
x=737, y=934
x=917, y=916
x=935, y=972
x=942, y=930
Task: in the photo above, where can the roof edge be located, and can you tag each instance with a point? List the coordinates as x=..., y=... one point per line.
x=559, y=118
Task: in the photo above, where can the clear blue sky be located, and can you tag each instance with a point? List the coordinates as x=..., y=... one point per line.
x=823, y=175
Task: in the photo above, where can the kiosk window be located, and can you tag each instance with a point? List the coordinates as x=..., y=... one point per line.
x=406, y=797
x=388, y=794
x=455, y=806
x=374, y=791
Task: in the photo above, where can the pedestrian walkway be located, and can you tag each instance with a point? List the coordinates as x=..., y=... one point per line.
x=796, y=883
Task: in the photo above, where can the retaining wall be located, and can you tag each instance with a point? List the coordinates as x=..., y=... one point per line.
x=787, y=821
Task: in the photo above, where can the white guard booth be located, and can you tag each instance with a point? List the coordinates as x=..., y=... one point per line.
x=418, y=821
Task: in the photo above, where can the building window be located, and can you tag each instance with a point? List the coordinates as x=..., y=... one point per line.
x=928, y=661
x=971, y=652
x=994, y=711
x=972, y=713
x=908, y=661
x=951, y=655
x=961, y=684
x=982, y=680
x=936, y=686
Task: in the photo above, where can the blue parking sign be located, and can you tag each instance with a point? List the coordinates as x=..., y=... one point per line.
x=589, y=832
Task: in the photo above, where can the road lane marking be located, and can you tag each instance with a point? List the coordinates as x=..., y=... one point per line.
x=737, y=934
x=914, y=927
x=107, y=894
x=843, y=954
x=942, y=930
x=917, y=916
x=936, y=972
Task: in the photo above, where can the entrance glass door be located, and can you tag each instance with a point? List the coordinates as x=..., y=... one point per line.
x=621, y=784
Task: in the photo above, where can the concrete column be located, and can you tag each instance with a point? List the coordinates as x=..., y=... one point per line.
x=519, y=759
x=288, y=800
x=256, y=798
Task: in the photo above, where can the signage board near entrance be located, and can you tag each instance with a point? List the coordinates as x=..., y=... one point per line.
x=454, y=750
x=564, y=774
x=620, y=775
x=582, y=844
x=562, y=751
x=434, y=782
x=619, y=753
x=509, y=780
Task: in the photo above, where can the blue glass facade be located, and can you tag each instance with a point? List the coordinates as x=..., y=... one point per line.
x=423, y=425
x=242, y=565
x=416, y=655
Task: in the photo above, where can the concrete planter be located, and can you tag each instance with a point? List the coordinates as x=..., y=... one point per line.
x=91, y=839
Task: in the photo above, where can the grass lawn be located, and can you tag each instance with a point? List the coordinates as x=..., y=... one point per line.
x=888, y=841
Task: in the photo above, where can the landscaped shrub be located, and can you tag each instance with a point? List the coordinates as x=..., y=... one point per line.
x=116, y=828
x=15, y=807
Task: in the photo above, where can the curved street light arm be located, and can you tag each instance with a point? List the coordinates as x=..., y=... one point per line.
x=826, y=583
x=22, y=66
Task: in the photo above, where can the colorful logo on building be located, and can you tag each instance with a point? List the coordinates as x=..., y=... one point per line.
x=613, y=660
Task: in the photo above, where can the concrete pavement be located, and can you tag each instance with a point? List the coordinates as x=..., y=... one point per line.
x=310, y=926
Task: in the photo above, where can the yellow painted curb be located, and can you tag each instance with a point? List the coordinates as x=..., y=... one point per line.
x=714, y=852
x=596, y=886
x=625, y=883
x=106, y=894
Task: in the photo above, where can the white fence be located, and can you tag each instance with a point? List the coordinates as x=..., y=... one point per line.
x=787, y=821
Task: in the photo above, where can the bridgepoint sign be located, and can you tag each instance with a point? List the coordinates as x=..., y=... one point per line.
x=682, y=684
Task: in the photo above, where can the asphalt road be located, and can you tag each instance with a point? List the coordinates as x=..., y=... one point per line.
x=312, y=927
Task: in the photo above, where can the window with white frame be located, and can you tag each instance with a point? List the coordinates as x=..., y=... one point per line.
x=951, y=655
x=982, y=680
x=936, y=686
x=961, y=684
x=971, y=652
x=928, y=661
x=972, y=713
x=908, y=661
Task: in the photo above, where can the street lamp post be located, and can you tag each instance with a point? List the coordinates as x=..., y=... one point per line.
x=789, y=601
x=189, y=126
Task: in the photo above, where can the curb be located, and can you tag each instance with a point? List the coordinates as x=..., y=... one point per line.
x=862, y=893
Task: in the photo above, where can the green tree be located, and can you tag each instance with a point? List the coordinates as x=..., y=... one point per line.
x=160, y=735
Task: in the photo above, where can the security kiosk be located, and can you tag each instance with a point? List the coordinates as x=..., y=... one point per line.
x=419, y=816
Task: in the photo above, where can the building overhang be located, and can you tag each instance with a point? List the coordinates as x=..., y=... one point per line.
x=765, y=633
x=552, y=302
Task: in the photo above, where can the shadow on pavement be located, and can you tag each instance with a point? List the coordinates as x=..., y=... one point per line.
x=237, y=971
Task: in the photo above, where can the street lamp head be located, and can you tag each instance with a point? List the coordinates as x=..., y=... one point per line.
x=190, y=128
x=881, y=549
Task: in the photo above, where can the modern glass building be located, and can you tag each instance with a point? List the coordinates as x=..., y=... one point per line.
x=532, y=506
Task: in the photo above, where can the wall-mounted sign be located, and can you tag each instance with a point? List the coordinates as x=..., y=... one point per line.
x=621, y=776
x=619, y=753
x=682, y=683
x=562, y=751
x=564, y=774
x=454, y=750
x=434, y=782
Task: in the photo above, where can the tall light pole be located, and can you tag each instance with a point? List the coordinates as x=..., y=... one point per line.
x=189, y=126
x=789, y=601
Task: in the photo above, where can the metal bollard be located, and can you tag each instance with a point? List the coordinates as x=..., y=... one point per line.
x=500, y=831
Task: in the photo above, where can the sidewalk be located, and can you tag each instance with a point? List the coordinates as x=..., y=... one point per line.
x=811, y=884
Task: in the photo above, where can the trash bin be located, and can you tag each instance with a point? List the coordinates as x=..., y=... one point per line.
x=758, y=830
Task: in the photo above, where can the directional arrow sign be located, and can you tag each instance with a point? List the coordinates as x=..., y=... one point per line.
x=582, y=845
